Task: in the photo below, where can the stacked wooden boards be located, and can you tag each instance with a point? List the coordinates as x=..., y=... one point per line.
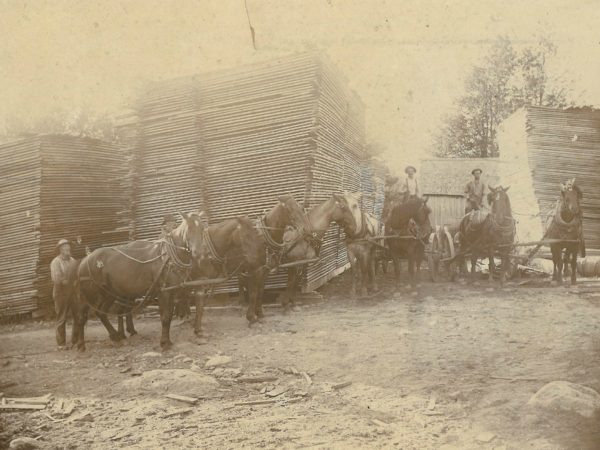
x=565, y=144
x=54, y=187
x=230, y=142
x=549, y=146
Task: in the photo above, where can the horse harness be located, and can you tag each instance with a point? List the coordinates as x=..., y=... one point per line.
x=172, y=263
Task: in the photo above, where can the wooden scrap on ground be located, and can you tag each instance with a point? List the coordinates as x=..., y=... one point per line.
x=307, y=378
x=177, y=412
x=259, y=379
x=277, y=391
x=341, y=385
x=32, y=403
x=182, y=398
x=257, y=402
x=431, y=404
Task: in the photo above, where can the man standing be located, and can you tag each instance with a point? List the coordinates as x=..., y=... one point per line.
x=62, y=271
x=169, y=224
x=411, y=185
x=474, y=192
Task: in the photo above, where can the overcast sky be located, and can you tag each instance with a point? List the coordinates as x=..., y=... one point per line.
x=406, y=59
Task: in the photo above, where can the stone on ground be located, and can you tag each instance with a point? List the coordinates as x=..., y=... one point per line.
x=566, y=396
x=219, y=360
x=24, y=443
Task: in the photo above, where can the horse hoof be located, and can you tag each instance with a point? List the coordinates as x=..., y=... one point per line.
x=166, y=345
x=81, y=348
x=115, y=337
x=132, y=333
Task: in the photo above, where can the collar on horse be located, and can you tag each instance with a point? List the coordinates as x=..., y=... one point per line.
x=211, y=247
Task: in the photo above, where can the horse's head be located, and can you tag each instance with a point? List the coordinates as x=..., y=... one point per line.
x=294, y=213
x=498, y=199
x=347, y=211
x=246, y=238
x=571, y=196
x=422, y=217
x=190, y=232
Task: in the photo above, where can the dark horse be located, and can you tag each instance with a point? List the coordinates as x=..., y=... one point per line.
x=409, y=222
x=305, y=246
x=271, y=227
x=494, y=234
x=127, y=272
x=228, y=249
x=566, y=225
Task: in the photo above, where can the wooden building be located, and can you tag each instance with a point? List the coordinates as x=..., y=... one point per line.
x=443, y=180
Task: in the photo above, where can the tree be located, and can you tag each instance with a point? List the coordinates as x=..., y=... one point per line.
x=505, y=80
x=80, y=122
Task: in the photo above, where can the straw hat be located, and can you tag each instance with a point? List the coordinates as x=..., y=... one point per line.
x=476, y=170
x=61, y=243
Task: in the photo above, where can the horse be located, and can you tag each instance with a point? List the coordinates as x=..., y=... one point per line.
x=124, y=273
x=344, y=210
x=287, y=212
x=361, y=253
x=566, y=225
x=229, y=249
x=408, y=229
x=494, y=234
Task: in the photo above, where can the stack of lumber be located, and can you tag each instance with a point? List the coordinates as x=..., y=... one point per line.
x=55, y=187
x=230, y=142
x=564, y=144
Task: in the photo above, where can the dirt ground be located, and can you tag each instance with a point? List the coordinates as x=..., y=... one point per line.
x=447, y=366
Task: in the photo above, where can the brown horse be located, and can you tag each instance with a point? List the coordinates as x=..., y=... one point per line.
x=494, y=235
x=566, y=225
x=302, y=246
x=409, y=228
x=271, y=227
x=119, y=275
x=229, y=249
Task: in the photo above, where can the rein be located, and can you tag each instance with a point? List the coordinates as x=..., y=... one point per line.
x=211, y=247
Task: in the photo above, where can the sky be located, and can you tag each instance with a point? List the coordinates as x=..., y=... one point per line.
x=407, y=60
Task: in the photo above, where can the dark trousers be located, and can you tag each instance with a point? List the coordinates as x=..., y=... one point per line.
x=471, y=205
x=63, y=299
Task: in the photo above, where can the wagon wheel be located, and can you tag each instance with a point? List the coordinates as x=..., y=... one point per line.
x=433, y=257
x=442, y=248
x=450, y=266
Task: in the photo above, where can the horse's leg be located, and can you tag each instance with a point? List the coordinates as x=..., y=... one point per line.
x=492, y=267
x=372, y=270
x=574, y=266
x=353, y=270
x=289, y=289
x=243, y=290
x=165, y=304
x=104, y=305
x=473, y=267
x=559, y=265
x=199, y=301
x=251, y=310
x=120, y=327
x=418, y=261
x=363, y=269
x=129, y=324
x=411, y=266
x=261, y=279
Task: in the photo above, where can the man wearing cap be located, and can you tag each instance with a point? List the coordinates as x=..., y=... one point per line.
x=410, y=186
x=474, y=191
x=169, y=223
x=62, y=271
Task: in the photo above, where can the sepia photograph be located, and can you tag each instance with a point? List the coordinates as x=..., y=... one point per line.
x=300, y=224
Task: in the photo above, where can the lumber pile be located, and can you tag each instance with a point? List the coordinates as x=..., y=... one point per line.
x=565, y=144
x=54, y=187
x=230, y=142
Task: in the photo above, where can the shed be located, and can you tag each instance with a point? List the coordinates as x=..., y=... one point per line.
x=54, y=187
x=548, y=146
x=443, y=180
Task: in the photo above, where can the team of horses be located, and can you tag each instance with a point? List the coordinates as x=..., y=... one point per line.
x=197, y=256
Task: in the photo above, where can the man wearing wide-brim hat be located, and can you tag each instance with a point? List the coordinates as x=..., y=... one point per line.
x=62, y=271
x=410, y=186
x=474, y=192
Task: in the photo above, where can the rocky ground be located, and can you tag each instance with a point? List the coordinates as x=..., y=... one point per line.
x=447, y=366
